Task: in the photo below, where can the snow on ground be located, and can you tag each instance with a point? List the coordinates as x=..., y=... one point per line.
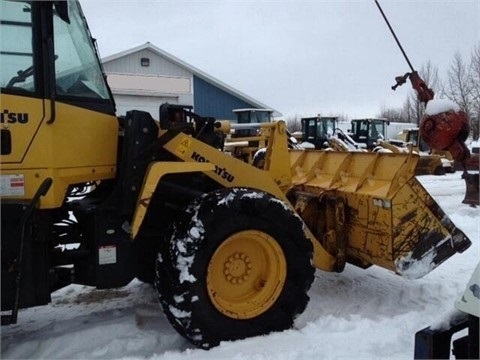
x=357, y=314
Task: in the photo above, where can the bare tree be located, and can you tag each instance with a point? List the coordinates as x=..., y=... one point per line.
x=293, y=123
x=475, y=78
x=392, y=114
x=415, y=109
x=408, y=111
x=459, y=87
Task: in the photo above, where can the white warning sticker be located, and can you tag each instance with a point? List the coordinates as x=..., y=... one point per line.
x=107, y=255
x=12, y=185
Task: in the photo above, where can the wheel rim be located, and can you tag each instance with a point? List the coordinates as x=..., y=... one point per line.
x=246, y=274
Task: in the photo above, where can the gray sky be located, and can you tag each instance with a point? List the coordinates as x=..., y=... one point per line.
x=299, y=57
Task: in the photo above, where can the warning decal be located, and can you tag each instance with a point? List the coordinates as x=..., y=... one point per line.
x=12, y=185
x=107, y=255
x=182, y=148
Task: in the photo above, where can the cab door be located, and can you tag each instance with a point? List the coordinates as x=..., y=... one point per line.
x=23, y=105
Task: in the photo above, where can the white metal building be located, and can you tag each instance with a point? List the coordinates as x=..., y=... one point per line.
x=144, y=77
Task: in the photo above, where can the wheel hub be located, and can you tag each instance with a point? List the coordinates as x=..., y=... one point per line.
x=237, y=268
x=246, y=274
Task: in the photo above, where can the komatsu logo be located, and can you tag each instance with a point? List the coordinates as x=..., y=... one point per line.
x=222, y=172
x=7, y=117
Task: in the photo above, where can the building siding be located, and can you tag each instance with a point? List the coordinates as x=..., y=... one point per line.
x=209, y=97
x=130, y=64
x=212, y=101
x=159, y=66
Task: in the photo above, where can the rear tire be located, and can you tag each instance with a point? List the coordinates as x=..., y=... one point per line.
x=237, y=265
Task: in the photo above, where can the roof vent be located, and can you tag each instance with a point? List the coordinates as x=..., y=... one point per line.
x=145, y=61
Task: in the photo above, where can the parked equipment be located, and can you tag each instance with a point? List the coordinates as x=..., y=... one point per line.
x=89, y=198
x=248, y=135
x=431, y=162
x=368, y=132
x=322, y=132
x=247, y=138
x=447, y=131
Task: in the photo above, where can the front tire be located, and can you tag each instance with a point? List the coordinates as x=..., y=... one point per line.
x=237, y=265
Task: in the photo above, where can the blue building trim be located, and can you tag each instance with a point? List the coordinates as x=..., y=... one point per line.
x=209, y=100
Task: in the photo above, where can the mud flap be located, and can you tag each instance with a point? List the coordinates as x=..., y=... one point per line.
x=472, y=188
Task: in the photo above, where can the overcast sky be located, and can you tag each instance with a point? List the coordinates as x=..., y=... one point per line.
x=298, y=57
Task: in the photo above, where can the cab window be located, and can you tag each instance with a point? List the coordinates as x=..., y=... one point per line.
x=77, y=70
x=261, y=117
x=16, y=50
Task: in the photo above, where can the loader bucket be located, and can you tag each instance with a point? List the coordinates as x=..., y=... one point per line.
x=369, y=208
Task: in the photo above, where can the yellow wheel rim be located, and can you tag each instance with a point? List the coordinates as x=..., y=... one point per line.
x=246, y=274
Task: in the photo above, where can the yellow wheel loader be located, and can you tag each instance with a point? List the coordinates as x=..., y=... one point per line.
x=95, y=199
x=247, y=138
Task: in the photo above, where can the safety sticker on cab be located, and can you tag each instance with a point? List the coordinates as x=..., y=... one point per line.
x=12, y=185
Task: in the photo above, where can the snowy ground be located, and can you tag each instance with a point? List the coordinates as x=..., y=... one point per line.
x=357, y=314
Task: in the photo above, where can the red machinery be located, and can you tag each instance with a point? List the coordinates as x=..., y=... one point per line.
x=444, y=130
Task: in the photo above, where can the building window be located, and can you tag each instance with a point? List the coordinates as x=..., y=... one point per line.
x=145, y=61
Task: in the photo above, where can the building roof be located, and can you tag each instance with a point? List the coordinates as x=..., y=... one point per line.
x=197, y=72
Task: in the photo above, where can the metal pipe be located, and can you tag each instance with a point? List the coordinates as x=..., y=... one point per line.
x=394, y=35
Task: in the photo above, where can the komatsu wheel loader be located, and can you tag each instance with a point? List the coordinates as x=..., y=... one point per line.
x=95, y=199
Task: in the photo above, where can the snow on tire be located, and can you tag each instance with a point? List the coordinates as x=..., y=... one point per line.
x=236, y=264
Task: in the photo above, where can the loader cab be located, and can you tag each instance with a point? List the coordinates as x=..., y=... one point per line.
x=368, y=131
x=66, y=69
x=54, y=98
x=413, y=137
x=251, y=116
x=58, y=117
x=317, y=130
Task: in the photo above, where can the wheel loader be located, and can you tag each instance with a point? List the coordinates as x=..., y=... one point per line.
x=246, y=140
x=371, y=134
x=95, y=199
x=322, y=132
